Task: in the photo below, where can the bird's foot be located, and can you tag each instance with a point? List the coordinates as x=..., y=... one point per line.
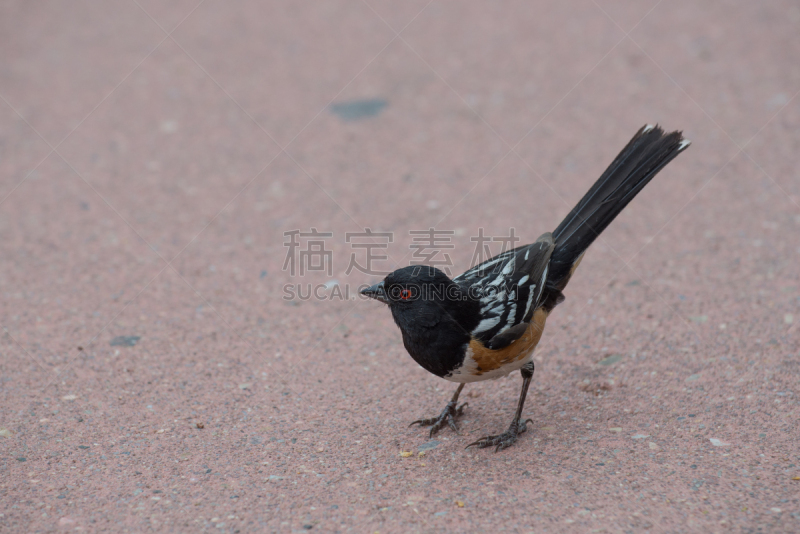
x=448, y=416
x=506, y=439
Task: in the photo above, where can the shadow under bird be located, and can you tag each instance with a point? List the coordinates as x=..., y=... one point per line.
x=486, y=322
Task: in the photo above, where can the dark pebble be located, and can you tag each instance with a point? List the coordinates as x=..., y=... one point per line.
x=355, y=110
x=21, y=459
x=432, y=444
x=610, y=360
x=125, y=341
x=83, y=447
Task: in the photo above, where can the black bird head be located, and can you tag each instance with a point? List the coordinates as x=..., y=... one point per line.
x=411, y=284
x=420, y=294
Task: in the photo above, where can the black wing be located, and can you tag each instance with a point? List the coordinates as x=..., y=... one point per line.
x=509, y=288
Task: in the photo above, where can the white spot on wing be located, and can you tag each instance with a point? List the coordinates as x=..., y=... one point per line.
x=512, y=315
x=648, y=127
x=684, y=144
x=494, y=297
x=498, y=310
x=541, y=282
x=486, y=324
x=530, y=301
x=509, y=268
x=492, y=262
x=522, y=280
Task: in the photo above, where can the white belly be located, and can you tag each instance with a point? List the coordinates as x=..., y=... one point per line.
x=468, y=372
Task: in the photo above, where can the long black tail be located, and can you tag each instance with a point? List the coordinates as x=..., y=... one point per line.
x=646, y=154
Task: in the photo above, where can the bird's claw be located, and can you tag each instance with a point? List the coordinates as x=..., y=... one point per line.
x=447, y=416
x=504, y=440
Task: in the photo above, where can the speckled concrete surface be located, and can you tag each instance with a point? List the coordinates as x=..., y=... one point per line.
x=145, y=191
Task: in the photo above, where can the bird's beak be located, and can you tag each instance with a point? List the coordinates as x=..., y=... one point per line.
x=376, y=292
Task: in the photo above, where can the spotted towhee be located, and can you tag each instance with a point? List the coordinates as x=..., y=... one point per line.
x=485, y=323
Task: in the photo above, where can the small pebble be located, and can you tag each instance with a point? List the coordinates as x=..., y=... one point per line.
x=125, y=341
x=432, y=444
x=610, y=360
x=358, y=109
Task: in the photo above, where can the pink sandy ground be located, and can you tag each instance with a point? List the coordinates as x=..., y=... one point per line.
x=151, y=158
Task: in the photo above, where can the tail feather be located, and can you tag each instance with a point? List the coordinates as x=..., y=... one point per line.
x=646, y=154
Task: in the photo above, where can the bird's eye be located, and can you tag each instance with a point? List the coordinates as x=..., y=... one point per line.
x=405, y=294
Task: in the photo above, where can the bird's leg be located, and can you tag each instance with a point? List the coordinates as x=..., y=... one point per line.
x=448, y=415
x=507, y=438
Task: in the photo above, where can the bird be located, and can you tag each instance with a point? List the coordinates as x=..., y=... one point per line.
x=486, y=322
